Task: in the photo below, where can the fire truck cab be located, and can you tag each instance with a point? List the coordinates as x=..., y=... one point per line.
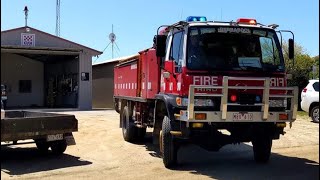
x=208, y=83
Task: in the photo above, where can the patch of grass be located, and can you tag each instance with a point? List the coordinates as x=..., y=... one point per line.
x=302, y=113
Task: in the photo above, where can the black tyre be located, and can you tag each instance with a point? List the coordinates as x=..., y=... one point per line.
x=116, y=105
x=42, y=146
x=58, y=147
x=262, y=149
x=141, y=133
x=168, y=146
x=4, y=104
x=315, y=114
x=128, y=129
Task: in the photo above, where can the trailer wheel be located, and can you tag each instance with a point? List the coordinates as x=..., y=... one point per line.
x=58, y=147
x=168, y=147
x=262, y=149
x=42, y=146
x=128, y=128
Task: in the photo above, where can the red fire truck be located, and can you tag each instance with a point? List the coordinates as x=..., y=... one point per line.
x=208, y=83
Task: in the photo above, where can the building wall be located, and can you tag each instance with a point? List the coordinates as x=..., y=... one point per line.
x=102, y=85
x=14, y=68
x=85, y=87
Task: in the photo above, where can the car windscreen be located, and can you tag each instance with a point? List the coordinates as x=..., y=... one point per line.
x=223, y=48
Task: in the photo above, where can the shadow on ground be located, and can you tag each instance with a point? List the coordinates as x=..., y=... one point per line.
x=19, y=161
x=236, y=162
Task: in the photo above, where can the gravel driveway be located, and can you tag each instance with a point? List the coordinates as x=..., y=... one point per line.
x=101, y=153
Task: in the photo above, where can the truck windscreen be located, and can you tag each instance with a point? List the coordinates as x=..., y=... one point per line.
x=233, y=48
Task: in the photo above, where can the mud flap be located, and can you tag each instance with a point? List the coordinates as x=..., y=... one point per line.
x=69, y=139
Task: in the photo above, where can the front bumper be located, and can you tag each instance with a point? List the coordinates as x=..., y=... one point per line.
x=215, y=116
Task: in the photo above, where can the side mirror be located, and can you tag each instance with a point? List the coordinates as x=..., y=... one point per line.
x=161, y=45
x=291, y=48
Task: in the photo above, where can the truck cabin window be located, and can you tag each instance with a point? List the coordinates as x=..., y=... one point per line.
x=176, y=53
x=242, y=49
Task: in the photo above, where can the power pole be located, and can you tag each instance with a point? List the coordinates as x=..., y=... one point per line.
x=26, y=10
x=58, y=18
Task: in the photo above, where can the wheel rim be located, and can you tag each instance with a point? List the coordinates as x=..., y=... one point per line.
x=160, y=142
x=315, y=114
x=124, y=125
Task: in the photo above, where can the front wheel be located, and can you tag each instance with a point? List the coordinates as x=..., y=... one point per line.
x=262, y=149
x=315, y=114
x=168, y=147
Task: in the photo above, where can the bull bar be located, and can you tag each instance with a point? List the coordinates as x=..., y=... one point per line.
x=224, y=116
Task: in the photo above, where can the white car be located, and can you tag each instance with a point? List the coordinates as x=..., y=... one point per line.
x=310, y=99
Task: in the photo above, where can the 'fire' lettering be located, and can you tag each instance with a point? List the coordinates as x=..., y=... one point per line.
x=205, y=80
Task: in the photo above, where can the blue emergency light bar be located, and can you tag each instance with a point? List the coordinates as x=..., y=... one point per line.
x=196, y=18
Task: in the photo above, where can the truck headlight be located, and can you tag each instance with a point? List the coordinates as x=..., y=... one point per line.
x=197, y=102
x=278, y=103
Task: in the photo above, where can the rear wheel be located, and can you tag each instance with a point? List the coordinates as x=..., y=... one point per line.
x=168, y=147
x=262, y=149
x=128, y=129
x=58, y=147
x=315, y=114
x=141, y=133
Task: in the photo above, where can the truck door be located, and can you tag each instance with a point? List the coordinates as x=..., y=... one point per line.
x=173, y=63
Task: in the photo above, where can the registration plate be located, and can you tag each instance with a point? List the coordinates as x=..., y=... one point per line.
x=242, y=116
x=55, y=137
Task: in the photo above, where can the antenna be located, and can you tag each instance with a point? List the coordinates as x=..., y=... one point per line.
x=26, y=10
x=181, y=13
x=58, y=18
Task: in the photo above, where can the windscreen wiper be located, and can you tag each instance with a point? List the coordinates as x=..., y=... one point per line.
x=252, y=68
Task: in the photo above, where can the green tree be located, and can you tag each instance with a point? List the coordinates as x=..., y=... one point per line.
x=300, y=67
x=316, y=64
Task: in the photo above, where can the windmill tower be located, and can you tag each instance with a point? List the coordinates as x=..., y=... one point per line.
x=112, y=38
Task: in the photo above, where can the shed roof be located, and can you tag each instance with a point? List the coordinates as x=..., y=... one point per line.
x=124, y=58
x=96, y=52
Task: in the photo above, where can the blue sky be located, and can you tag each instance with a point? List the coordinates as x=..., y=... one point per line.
x=136, y=21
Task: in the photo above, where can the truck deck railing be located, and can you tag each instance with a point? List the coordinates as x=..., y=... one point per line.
x=224, y=96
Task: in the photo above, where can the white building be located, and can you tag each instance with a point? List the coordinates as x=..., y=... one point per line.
x=43, y=70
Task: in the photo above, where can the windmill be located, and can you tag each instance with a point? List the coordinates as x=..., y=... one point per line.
x=112, y=38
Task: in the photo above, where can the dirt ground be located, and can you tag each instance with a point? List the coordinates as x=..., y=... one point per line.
x=101, y=153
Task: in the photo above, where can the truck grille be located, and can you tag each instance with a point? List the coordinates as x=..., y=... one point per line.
x=248, y=99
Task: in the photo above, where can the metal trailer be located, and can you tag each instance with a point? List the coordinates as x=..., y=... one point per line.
x=45, y=129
